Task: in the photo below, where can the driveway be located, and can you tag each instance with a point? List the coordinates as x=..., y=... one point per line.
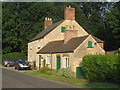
x=13, y=79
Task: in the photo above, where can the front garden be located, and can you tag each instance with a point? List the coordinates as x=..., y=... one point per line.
x=72, y=81
x=100, y=71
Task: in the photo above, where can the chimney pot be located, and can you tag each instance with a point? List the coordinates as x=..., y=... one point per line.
x=47, y=22
x=45, y=18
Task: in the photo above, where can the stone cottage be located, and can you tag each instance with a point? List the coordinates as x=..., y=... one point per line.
x=63, y=44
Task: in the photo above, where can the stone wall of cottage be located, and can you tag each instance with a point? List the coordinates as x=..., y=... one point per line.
x=75, y=58
x=53, y=60
x=82, y=50
x=56, y=34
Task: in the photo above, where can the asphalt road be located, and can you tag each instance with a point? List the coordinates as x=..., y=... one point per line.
x=13, y=79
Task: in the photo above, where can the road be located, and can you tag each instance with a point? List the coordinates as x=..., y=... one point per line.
x=13, y=79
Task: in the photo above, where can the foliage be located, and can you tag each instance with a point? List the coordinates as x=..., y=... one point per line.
x=113, y=27
x=49, y=72
x=14, y=55
x=101, y=68
x=21, y=21
x=65, y=72
x=46, y=70
x=60, y=72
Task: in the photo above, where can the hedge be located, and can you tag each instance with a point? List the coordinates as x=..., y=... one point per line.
x=14, y=55
x=101, y=68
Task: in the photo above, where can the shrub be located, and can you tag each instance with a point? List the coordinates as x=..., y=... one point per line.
x=14, y=55
x=68, y=73
x=60, y=72
x=65, y=72
x=49, y=72
x=45, y=70
x=101, y=68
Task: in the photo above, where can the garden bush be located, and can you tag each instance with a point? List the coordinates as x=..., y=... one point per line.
x=60, y=72
x=49, y=72
x=46, y=70
x=101, y=68
x=14, y=55
x=65, y=72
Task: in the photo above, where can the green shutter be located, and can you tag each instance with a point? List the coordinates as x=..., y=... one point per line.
x=90, y=45
x=63, y=29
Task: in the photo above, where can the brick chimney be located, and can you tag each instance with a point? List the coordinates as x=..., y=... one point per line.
x=47, y=22
x=69, y=13
x=69, y=34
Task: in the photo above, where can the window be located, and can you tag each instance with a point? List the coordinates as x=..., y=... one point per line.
x=65, y=62
x=63, y=29
x=48, y=59
x=89, y=44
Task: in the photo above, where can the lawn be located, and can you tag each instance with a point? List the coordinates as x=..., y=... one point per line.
x=73, y=81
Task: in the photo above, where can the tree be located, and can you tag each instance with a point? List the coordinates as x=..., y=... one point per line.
x=113, y=27
x=22, y=21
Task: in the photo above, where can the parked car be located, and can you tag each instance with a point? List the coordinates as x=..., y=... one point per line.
x=22, y=64
x=8, y=62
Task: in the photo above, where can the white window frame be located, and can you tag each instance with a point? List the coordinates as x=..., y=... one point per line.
x=66, y=62
x=48, y=60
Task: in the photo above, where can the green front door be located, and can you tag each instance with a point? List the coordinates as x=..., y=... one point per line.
x=79, y=72
x=57, y=63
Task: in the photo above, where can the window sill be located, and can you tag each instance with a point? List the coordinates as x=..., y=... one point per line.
x=89, y=47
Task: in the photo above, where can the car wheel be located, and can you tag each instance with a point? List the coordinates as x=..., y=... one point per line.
x=5, y=65
x=15, y=68
x=8, y=65
x=18, y=68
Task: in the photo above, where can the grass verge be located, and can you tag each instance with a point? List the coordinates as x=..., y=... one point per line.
x=72, y=81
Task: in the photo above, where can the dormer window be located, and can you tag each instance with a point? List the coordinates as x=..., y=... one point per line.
x=63, y=29
x=89, y=44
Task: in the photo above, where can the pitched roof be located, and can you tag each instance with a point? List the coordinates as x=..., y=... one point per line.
x=97, y=39
x=46, y=31
x=59, y=46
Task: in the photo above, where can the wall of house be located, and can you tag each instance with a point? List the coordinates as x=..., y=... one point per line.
x=54, y=35
x=82, y=50
x=33, y=48
x=53, y=60
x=75, y=58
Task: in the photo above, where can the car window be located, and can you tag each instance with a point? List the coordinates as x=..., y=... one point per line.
x=21, y=62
